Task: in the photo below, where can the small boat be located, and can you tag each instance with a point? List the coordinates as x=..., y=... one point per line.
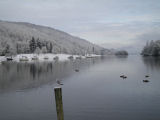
x=89, y=56
x=9, y=58
x=56, y=58
x=70, y=57
x=46, y=58
x=34, y=58
x=24, y=58
x=78, y=57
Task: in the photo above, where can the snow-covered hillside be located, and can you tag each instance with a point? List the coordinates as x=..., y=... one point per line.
x=15, y=37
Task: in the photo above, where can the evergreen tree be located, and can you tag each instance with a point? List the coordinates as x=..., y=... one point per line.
x=32, y=45
x=7, y=50
x=93, y=50
x=152, y=48
x=47, y=47
x=50, y=48
x=38, y=50
x=39, y=44
x=44, y=49
x=17, y=48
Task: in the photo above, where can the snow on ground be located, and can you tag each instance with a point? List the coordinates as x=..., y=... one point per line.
x=45, y=57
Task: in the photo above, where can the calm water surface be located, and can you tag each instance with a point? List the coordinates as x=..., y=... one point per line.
x=96, y=92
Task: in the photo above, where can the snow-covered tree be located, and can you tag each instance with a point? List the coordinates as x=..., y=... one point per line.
x=38, y=50
x=152, y=49
x=39, y=43
x=44, y=49
x=32, y=45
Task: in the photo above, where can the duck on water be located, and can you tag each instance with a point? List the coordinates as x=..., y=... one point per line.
x=59, y=82
x=123, y=76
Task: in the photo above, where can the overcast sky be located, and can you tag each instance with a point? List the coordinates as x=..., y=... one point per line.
x=113, y=23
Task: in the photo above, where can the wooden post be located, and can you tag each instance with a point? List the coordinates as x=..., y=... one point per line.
x=59, y=103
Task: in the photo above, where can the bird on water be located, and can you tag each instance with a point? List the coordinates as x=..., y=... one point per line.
x=123, y=76
x=146, y=76
x=59, y=82
x=76, y=70
x=145, y=80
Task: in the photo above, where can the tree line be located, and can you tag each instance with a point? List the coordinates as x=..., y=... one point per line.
x=151, y=48
x=31, y=46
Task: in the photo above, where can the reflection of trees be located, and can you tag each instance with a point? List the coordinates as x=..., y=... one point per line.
x=31, y=75
x=33, y=70
x=38, y=69
x=152, y=62
x=24, y=75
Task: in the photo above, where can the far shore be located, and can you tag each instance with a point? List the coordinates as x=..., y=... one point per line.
x=46, y=57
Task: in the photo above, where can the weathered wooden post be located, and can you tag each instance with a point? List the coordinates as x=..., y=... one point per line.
x=59, y=103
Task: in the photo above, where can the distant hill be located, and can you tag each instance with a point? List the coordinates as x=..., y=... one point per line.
x=19, y=37
x=131, y=49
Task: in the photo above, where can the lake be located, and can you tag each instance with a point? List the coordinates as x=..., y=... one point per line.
x=96, y=92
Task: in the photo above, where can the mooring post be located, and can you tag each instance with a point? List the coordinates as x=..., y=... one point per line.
x=59, y=103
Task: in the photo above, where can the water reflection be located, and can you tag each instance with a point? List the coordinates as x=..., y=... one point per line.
x=96, y=92
x=122, y=57
x=152, y=62
x=18, y=76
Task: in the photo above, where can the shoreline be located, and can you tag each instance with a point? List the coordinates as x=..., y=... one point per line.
x=46, y=57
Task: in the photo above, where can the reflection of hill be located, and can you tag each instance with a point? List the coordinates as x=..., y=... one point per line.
x=152, y=62
x=15, y=76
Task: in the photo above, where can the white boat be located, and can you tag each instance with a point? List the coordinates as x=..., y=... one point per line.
x=56, y=58
x=71, y=57
x=35, y=58
x=89, y=56
x=78, y=57
x=24, y=58
x=46, y=58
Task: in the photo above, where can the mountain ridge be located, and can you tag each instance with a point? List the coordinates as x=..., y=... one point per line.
x=15, y=34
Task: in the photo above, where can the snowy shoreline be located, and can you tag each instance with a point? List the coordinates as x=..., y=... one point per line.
x=46, y=57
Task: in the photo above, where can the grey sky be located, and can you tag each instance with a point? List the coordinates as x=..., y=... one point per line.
x=110, y=22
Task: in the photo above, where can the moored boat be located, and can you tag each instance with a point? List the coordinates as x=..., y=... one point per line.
x=35, y=58
x=46, y=58
x=78, y=57
x=70, y=57
x=89, y=56
x=9, y=58
x=24, y=58
x=56, y=58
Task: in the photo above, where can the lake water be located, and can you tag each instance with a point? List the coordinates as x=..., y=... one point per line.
x=96, y=92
